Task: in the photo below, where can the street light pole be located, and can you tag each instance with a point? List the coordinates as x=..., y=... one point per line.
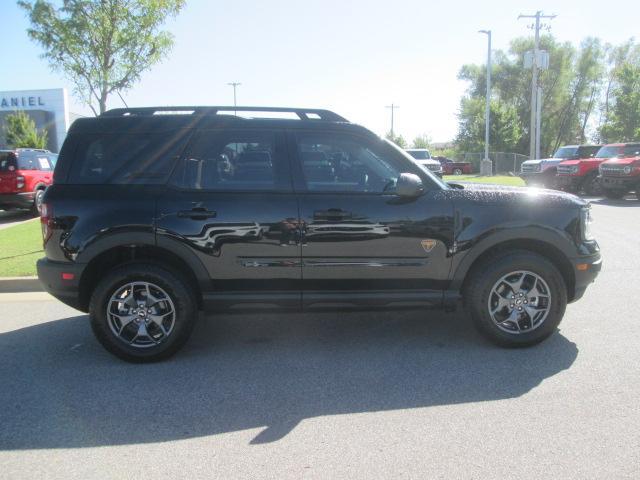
x=534, y=146
x=487, y=113
x=234, y=85
x=392, y=107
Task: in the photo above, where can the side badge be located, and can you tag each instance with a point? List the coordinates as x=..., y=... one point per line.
x=428, y=244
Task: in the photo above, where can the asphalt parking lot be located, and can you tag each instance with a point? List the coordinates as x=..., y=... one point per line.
x=394, y=395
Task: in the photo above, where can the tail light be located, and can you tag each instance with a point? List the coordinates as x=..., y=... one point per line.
x=19, y=182
x=46, y=220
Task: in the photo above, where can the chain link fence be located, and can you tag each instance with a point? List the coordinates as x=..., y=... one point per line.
x=503, y=162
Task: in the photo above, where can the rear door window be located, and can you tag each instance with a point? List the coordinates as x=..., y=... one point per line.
x=27, y=161
x=126, y=159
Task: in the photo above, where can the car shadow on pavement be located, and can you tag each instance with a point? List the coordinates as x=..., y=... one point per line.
x=60, y=389
x=14, y=216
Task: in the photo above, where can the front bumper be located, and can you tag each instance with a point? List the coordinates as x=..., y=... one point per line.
x=65, y=290
x=17, y=200
x=620, y=183
x=586, y=270
x=569, y=181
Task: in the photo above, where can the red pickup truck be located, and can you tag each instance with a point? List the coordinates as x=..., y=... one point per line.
x=449, y=167
x=25, y=173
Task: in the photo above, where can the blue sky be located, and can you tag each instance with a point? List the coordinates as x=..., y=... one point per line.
x=353, y=56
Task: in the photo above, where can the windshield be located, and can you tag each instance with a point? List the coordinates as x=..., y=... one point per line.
x=608, y=152
x=587, y=151
x=632, y=150
x=420, y=154
x=565, y=152
x=433, y=177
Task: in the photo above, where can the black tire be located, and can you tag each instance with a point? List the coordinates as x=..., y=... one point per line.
x=480, y=285
x=36, y=209
x=591, y=185
x=614, y=194
x=176, y=288
x=457, y=171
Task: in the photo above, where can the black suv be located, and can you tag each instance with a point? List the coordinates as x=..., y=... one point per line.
x=156, y=213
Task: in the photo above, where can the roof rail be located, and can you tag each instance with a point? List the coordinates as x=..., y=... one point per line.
x=302, y=113
x=42, y=150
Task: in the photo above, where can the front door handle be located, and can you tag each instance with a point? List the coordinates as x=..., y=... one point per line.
x=197, y=213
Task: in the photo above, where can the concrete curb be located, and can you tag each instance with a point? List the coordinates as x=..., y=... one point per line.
x=20, y=284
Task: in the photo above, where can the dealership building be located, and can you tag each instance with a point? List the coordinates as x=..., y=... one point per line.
x=48, y=108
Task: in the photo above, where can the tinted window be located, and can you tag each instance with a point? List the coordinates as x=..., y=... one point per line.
x=341, y=163
x=125, y=159
x=241, y=161
x=587, y=151
x=632, y=150
x=7, y=162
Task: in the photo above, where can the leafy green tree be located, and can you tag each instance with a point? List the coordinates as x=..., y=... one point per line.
x=397, y=139
x=623, y=124
x=505, y=130
x=102, y=46
x=21, y=132
x=421, y=141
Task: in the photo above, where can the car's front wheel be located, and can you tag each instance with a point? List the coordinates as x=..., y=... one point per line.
x=614, y=194
x=142, y=312
x=516, y=299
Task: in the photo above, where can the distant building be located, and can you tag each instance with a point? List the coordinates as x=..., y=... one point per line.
x=48, y=108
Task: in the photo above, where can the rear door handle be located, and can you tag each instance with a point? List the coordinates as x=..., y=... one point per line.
x=197, y=213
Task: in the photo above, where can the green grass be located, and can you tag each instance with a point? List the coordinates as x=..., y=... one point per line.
x=497, y=180
x=20, y=247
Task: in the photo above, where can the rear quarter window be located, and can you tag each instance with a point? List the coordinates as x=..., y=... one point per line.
x=7, y=162
x=126, y=159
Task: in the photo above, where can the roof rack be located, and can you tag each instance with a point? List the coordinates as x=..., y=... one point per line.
x=41, y=150
x=302, y=113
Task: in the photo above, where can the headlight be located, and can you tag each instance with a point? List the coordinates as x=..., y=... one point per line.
x=585, y=222
x=627, y=170
x=574, y=169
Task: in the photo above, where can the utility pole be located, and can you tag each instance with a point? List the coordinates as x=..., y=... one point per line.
x=534, y=147
x=487, y=113
x=234, y=85
x=392, y=107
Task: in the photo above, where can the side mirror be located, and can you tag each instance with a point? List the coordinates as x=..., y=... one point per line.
x=409, y=185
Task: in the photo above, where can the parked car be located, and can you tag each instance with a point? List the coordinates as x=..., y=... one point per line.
x=24, y=175
x=542, y=173
x=422, y=157
x=318, y=214
x=451, y=167
x=621, y=175
x=581, y=174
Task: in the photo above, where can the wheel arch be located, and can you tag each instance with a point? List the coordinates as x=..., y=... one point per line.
x=190, y=269
x=542, y=247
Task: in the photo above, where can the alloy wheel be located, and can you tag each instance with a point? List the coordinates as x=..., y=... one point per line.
x=519, y=302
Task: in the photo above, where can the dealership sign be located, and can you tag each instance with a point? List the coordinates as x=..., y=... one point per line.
x=15, y=102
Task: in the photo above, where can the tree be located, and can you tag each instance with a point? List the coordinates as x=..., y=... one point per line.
x=103, y=46
x=505, y=130
x=421, y=141
x=397, y=139
x=21, y=132
x=623, y=124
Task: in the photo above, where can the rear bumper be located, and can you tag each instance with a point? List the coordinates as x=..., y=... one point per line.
x=65, y=290
x=17, y=200
x=586, y=270
x=620, y=183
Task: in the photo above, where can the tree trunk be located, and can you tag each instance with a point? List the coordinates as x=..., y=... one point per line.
x=103, y=102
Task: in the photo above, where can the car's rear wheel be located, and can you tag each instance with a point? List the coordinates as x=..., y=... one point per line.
x=614, y=194
x=37, y=202
x=457, y=171
x=142, y=312
x=516, y=299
